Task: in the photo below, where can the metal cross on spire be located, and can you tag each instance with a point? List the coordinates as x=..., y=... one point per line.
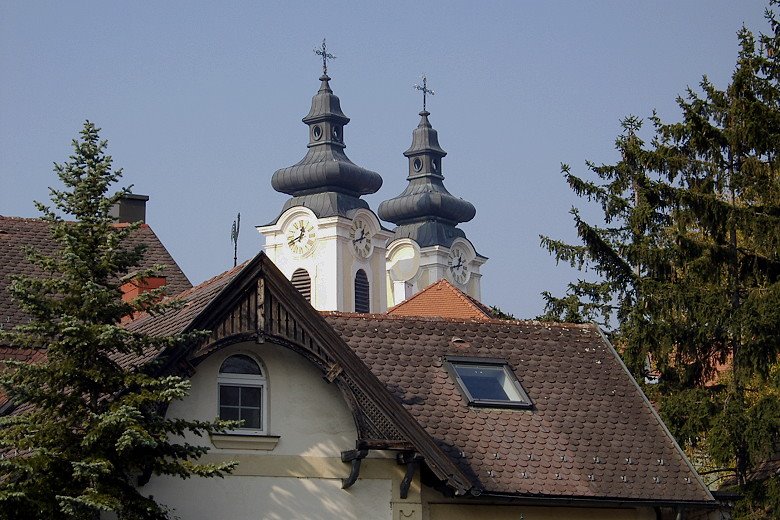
x=325, y=57
x=425, y=90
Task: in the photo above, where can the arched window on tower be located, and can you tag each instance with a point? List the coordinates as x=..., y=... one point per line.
x=362, y=301
x=302, y=281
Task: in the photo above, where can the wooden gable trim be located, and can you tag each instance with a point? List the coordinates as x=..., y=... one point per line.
x=261, y=304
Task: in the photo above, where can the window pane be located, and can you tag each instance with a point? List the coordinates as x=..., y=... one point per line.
x=228, y=413
x=228, y=395
x=488, y=383
x=251, y=418
x=250, y=396
x=240, y=364
x=485, y=387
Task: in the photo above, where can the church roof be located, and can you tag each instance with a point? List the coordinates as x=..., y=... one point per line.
x=326, y=180
x=425, y=211
x=442, y=299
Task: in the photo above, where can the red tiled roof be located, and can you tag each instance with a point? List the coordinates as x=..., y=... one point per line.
x=444, y=300
x=590, y=434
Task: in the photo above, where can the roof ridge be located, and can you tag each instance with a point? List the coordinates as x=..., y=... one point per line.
x=391, y=317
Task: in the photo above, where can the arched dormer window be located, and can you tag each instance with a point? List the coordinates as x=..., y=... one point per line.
x=362, y=299
x=302, y=281
x=242, y=386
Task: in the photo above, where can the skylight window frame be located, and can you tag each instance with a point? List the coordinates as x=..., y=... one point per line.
x=452, y=362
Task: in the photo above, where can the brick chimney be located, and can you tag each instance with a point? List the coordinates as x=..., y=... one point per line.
x=130, y=208
x=135, y=287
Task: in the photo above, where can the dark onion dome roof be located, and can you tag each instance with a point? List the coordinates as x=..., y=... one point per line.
x=425, y=138
x=425, y=199
x=425, y=211
x=325, y=180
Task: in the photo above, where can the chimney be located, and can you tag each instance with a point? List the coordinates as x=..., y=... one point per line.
x=134, y=287
x=130, y=208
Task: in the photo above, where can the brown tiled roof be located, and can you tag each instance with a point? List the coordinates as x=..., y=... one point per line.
x=444, y=300
x=590, y=434
x=193, y=300
x=18, y=233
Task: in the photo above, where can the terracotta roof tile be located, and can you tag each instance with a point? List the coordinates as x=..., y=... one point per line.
x=444, y=300
x=591, y=433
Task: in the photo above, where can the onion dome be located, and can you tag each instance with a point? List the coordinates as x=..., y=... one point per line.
x=325, y=180
x=426, y=212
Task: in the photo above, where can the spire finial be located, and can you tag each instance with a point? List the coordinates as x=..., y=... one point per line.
x=425, y=90
x=323, y=51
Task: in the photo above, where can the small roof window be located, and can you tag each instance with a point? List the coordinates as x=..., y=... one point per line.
x=488, y=382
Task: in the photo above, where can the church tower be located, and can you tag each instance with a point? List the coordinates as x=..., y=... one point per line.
x=326, y=239
x=427, y=246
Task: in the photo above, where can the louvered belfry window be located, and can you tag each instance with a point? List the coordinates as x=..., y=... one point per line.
x=362, y=303
x=302, y=282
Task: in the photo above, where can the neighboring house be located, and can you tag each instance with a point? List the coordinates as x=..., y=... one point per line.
x=389, y=417
x=18, y=234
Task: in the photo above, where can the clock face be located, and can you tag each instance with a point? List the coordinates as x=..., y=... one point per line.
x=458, y=265
x=300, y=236
x=360, y=238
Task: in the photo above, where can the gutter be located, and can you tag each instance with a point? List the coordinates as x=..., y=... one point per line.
x=611, y=502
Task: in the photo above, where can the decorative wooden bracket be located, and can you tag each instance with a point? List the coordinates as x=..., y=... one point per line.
x=355, y=457
x=333, y=372
x=412, y=461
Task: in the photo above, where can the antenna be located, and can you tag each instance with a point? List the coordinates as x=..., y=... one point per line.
x=234, y=238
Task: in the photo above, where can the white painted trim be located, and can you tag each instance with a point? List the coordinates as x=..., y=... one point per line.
x=246, y=380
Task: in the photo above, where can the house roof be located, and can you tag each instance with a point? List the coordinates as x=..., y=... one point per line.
x=444, y=300
x=590, y=434
x=17, y=234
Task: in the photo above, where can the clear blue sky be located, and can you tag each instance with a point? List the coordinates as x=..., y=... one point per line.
x=201, y=102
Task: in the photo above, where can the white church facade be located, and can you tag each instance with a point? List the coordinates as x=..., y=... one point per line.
x=334, y=248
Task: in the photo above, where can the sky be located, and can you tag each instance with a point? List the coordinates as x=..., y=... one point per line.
x=202, y=101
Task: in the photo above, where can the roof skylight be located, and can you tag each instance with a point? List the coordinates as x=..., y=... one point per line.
x=488, y=382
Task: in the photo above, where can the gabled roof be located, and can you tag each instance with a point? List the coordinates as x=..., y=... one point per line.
x=16, y=234
x=442, y=299
x=591, y=434
x=256, y=300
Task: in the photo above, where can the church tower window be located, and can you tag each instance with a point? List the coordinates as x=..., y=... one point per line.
x=302, y=281
x=362, y=300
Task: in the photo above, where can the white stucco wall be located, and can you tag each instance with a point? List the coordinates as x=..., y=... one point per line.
x=308, y=414
x=274, y=498
x=300, y=478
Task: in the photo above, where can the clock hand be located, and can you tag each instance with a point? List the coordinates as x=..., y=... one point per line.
x=298, y=238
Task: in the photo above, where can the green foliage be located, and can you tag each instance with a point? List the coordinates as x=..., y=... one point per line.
x=500, y=314
x=688, y=257
x=87, y=426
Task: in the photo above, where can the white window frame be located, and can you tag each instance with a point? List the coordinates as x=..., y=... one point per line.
x=246, y=380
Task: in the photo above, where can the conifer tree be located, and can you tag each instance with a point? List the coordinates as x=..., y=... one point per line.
x=691, y=265
x=87, y=426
